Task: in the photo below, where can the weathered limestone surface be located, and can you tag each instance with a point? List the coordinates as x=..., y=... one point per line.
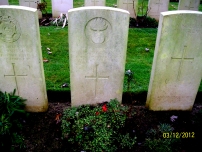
x=21, y=56
x=94, y=2
x=61, y=6
x=177, y=65
x=4, y=2
x=31, y=3
x=155, y=7
x=97, y=52
x=129, y=5
x=189, y=5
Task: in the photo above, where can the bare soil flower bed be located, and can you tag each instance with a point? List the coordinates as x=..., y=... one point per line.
x=42, y=131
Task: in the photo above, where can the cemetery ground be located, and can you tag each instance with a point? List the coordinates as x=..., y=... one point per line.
x=42, y=131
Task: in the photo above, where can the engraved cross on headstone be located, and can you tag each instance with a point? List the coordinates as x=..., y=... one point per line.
x=159, y=3
x=128, y=2
x=94, y=1
x=96, y=78
x=30, y=1
x=182, y=59
x=15, y=77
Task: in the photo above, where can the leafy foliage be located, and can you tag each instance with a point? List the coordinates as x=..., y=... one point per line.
x=42, y=6
x=143, y=7
x=156, y=142
x=96, y=128
x=11, y=110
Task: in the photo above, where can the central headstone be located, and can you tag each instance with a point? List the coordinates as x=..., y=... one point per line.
x=94, y=2
x=189, y=5
x=177, y=65
x=21, y=56
x=97, y=51
x=61, y=6
x=129, y=5
x=155, y=7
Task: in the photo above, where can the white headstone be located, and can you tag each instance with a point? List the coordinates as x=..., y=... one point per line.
x=31, y=3
x=21, y=56
x=189, y=5
x=129, y=5
x=61, y=6
x=177, y=65
x=4, y=2
x=155, y=7
x=97, y=52
x=94, y=2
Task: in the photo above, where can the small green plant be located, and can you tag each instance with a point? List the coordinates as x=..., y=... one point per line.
x=156, y=142
x=130, y=78
x=96, y=128
x=142, y=6
x=11, y=110
x=126, y=141
x=42, y=6
x=144, y=20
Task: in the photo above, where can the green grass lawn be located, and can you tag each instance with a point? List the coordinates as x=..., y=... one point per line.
x=138, y=60
x=57, y=69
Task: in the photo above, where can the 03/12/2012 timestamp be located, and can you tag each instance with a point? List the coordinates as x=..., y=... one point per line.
x=179, y=135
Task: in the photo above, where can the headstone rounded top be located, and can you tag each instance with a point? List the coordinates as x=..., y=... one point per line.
x=97, y=8
x=97, y=46
x=18, y=7
x=180, y=12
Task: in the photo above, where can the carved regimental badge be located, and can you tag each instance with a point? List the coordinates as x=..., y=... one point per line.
x=9, y=29
x=98, y=30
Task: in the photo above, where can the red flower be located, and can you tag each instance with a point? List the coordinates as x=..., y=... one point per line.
x=97, y=113
x=104, y=108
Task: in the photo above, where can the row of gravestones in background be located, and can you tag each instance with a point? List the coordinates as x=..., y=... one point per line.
x=140, y=21
x=178, y=1
x=63, y=7
x=97, y=54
